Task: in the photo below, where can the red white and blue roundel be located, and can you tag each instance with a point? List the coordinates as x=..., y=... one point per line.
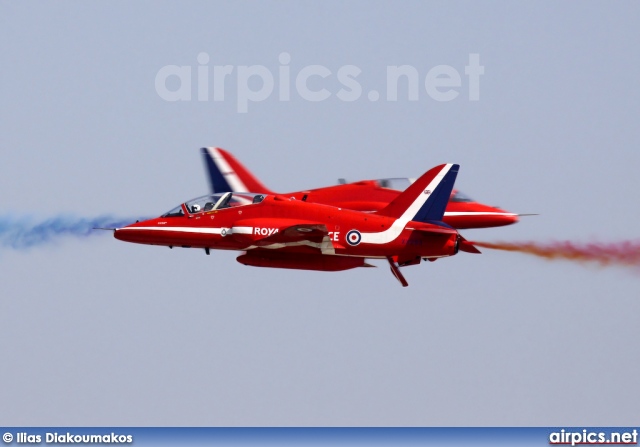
x=354, y=237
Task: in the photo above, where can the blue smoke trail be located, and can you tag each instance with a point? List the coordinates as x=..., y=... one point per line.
x=23, y=233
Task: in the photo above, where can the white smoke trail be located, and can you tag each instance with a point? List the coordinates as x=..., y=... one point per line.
x=23, y=232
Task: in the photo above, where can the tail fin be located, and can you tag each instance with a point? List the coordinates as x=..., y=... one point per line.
x=426, y=199
x=226, y=174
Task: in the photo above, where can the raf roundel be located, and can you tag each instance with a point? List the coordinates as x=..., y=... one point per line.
x=353, y=237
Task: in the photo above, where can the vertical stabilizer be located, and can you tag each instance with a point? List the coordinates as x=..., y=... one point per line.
x=426, y=199
x=226, y=174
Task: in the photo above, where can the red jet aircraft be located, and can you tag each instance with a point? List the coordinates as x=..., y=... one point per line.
x=283, y=232
x=226, y=174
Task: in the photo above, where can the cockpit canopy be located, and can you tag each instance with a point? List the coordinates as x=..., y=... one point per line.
x=402, y=183
x=218, y=201
x=399, y=183
x=457, y=196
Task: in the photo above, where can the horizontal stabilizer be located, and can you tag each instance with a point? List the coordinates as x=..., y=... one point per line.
x=468, y=247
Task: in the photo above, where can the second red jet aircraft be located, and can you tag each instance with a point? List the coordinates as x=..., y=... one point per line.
x=226, y=174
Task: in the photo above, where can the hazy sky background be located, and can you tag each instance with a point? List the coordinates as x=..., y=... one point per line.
x=100, y=332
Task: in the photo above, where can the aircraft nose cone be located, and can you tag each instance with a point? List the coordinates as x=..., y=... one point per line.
x=509, y=218
x=504, y=217
x=118, y=233
x=124, y=234
x=140, y=232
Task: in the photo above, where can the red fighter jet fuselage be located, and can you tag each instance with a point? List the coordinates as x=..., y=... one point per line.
x=226, y=173
x=284, y=232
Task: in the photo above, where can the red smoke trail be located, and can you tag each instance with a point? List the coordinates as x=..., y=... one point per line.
x=625, y=253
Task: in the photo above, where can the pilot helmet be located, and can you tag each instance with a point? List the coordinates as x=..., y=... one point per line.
x=195, y=208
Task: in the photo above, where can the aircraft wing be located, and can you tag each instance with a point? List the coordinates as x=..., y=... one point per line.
x=279, y=233
x=303, y=231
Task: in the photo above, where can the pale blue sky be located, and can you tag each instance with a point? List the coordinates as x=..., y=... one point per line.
x=99, y=332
